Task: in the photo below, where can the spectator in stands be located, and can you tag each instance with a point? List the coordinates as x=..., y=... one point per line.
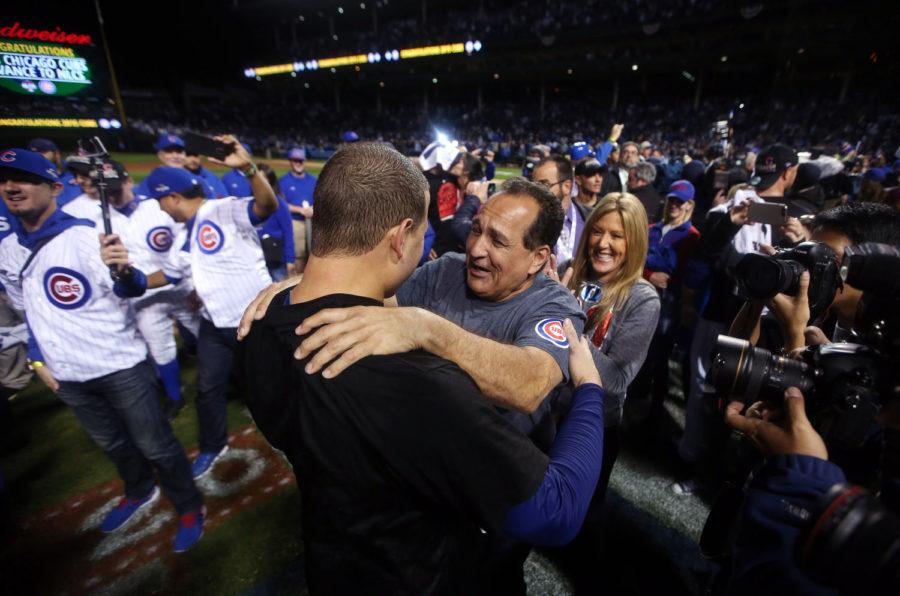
x=277, y=234
x=589, y=174
x=298, y=187
x=646, y=150
x=673, y=242
x=640, y=184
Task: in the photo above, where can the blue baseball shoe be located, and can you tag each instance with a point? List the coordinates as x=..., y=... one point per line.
x=190, y=529
x=126, y=510
x=203, y=463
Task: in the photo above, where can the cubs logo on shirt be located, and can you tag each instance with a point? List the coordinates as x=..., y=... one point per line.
x=65, y=288
x=552, y=331
x=159, y=238
x=209, y=237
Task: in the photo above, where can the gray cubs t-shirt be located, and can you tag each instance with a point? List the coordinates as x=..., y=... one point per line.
x=532, y=318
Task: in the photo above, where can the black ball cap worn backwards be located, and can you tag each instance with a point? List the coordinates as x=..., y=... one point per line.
x=771, y=163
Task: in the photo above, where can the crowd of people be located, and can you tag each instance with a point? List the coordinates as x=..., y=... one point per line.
x=511, y=128
x=449, y=374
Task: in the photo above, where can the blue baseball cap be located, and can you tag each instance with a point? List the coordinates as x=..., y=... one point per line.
x=681, y=190
x=167, y=140
x=875, y=174
x=42, y=145
x=30, y=162
x=297, y=153
x=580, y=150
x=164, y=181
x=350, y=137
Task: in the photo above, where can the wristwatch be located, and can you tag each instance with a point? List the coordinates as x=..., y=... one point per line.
x=35, y=364
x=251, y=171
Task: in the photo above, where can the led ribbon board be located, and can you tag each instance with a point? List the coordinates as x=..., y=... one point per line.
x=371, y=58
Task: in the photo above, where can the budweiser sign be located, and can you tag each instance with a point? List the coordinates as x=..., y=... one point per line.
x=57, y=35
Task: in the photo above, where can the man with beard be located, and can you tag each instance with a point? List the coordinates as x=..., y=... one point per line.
x=555, y=173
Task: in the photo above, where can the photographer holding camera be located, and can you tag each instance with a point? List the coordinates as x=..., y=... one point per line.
x=837, y=228
x=728, y=234
x=799, y=526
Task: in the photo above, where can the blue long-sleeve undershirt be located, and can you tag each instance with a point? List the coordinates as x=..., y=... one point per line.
x=554, y=514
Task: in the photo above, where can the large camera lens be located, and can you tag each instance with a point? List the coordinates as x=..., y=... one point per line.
x=763, y=277
x=740, y=371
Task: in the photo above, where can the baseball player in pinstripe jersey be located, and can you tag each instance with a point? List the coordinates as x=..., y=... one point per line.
x=85, y=345
x=149, y=233
x=223, y=255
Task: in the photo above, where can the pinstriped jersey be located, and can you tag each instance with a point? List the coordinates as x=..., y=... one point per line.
x=225, y=259
x=83, y=329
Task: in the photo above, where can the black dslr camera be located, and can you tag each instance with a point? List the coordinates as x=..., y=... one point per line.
x=843, y=383
x=846, y=384
x=761, y=277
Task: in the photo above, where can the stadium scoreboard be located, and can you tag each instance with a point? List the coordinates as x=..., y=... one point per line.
x=54, y=75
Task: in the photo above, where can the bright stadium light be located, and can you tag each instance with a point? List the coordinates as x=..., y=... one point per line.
x=634, y=67
x=104, y=123
x=434, y=81
x=724, y=58
x=362, y=5
x=396, y=54
x=115, y=123
x=340, y=10
x=441, y=137
x=469, y=47
x=741, y=106
x=249, y=73
x=476, y=46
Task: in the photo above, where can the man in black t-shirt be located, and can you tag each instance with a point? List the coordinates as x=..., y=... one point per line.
x=412, y=481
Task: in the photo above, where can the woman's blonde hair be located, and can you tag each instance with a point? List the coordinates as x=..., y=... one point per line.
x=634, y=222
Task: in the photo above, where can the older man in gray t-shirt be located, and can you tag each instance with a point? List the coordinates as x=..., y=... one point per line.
x=531, y=318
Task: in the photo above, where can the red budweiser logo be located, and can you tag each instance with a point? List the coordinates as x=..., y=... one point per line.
x=58, y=35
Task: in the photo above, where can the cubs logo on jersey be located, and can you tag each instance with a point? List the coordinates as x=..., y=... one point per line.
x=65, y=288
x=160, y=238
x=552, y=331
x=209, y=237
